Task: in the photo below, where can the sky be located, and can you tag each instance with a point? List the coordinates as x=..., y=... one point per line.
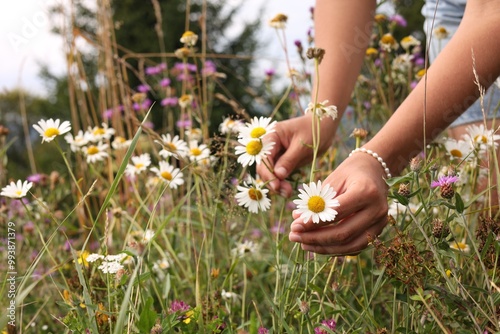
x=26, y=40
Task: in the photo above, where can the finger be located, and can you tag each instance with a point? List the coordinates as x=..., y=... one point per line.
x=354, y=247
x=339, y=234
x=289, y=161
x=265, y=169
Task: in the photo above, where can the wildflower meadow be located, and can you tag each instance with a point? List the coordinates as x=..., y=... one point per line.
x=142, y=227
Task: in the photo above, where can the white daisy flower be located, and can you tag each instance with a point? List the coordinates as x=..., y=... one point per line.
x=185, y=100
x=111, y=267
x=98, y=134
x=252, y=150
x=253, y=197
x=120, y=143
x=173, y=146
x=230, y=125
x=50, y=129
x=198, y=151
x=460, y=246
x=96, y=152
x=244, y=248
x=316, y=203
x=169, y=173
x=458, y=149
x=162, y=264
x=94, y=257
x=189, y=38
x=279, y=21
x=147, y=236
x=257, y=128
x=77, y=142
x=139, y=164
x=194, y=134
x=388, y=43
x=481, y=138
x=322, y=110
x=206, y=162
x=16, y=190
x=229, y=296
x=409, y=41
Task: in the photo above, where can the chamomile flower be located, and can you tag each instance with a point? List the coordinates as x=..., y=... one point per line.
x=173, y=146
x=17, y=189
x=194, y=134
x=458, y=149
x=252, y=150
x=96, y=152
x=440, y=33
x=189, y=38
x=185, y=100
x=49, y=129
x=322, y=110
x=139, y=164
x=388, y=43
x=198, y=151
x=257, y=128
x=226, y=295
x=77, y=142
x=120, y=143
x=279, y=21
x=316, y=203
x=169, y=173
x=460, y=246
x=254, y=197
x=481, y=138
x=409, y=41
x=230, y=125
x=100, y=133
x=147, y=236
x=244, y=248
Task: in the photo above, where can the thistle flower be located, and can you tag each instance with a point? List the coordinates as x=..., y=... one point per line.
x=445, y=184
x=322, y=110
x=16, y=190
x=316, y=203
x=279, y=21
x=50, y=129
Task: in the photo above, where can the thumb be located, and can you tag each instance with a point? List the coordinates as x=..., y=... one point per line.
x=289, y=161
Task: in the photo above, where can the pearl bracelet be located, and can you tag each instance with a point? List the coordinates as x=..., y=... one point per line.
x=376, y=156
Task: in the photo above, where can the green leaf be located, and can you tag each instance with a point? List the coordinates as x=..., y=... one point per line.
x=147, y=318
x=459, y=203
x=401, y=199
x=399, y=179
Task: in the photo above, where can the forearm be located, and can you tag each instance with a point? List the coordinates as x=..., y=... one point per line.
x=448, y=88
x=343, y=29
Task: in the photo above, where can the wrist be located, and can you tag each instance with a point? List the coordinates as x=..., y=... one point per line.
x=376, y=157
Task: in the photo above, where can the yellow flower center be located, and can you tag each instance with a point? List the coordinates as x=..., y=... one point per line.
x=51, y=132
x=166, y=175
x=255, y=194
x=139, y=165
x=316, y=204
x=195, y=151
x=254, y=147
x=99, y=132
x=188, y=34
x=371, y=51
x=481, y=139
x=171, y=147
x=258, y=132
x=92, y=150
x=120, y=139
x=421, y=73
x=19, y=192
x=456, y=153
x=387, y=39
x=280, y=18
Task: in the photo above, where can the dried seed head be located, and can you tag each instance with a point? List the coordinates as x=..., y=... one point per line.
x=404, y=189
x=416, y=164
x=315, y=53
x=359, y=133
x=439, y=230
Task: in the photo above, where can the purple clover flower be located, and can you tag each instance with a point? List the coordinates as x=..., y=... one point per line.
x=178, y=306
x=329, y=324
x=263, y=330
x=143, y=88
x=165, y=82
x=444, y=181
x=169, y=101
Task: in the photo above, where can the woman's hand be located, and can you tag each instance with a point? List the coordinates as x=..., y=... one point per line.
x=362, y=194
x=292, y=149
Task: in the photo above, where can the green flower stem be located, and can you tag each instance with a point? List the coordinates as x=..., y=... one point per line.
x=315, y=123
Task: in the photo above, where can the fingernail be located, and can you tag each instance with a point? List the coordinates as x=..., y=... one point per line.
x=283, y=193
x=294, y=237
x=280, y=172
